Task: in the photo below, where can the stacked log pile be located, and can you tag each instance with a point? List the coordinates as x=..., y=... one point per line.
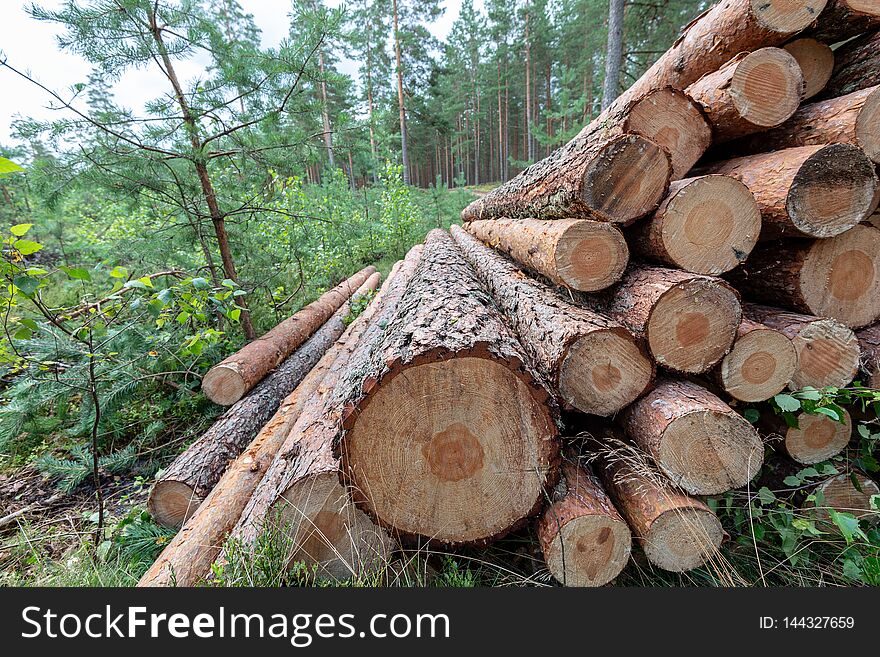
x=706, y=242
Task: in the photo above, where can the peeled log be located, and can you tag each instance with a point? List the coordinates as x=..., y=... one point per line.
x=705, y=225
x=856, y=66
x=810, y=191
x=584, y=539
x=843, y=19
x=449, y=433
x=187, y=559
x=232, y=378
x=580, y=254
x=869, y=343
x=689, y=321
x=828, y=352
x=839, y=494
x=752, y=92
x=837, y=277
x=186, y=482
x=851, y=119
x=816, y=60
x=760, y=365
x=592, y=362
x=676, y=531
x=697, y=440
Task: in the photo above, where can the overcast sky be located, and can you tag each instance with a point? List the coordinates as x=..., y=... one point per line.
x=30, y=45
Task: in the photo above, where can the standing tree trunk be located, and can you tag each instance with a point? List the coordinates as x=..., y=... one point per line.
x=404, y=154
x=613, y=53
x=530, y=144
x=325, y=112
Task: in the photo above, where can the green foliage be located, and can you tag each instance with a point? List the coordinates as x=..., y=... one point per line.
x=69, y=473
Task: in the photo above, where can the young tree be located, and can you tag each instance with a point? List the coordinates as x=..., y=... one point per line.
x=613, y=53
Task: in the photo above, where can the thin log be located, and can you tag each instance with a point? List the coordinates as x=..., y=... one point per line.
x=816, y=60
x=869, y=343
x=856, y=66
x=760, y=365
x=842, y=19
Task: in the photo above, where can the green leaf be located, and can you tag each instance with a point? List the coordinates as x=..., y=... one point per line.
x=808, y=473
x=863, y=431
x=20, y=230
x=791, y=481
x=787, y=403
x=848, y=525
x=766, y=496
x=809, y=393
x=8, y=166
x=26, y=247
x=27, y=285
x=137, y=284
x=146, y=280
x=119, y=272
x=752, y=415
x=234, y=314
x=200, y=283
x=829, y=412
x=77, y=273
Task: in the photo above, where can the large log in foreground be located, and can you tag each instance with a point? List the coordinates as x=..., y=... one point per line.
x=842, y=19
x=810, y=191
x=583, y=255
x=445, y=407
x=697, y=440
x=688, y=321
x=828, y=351
x=837, y=277
x=187, y=559
x=705, y=225
x=232, y=378
x=752, y=92
x=180, y=489
x=851, y=119
x=816, y=60
x=856, y=66
x=594, y=363
x=869, y=343
x=584, y=539
x=760, y=365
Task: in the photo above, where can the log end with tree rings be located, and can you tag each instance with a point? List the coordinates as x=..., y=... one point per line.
x=323, y=528
x=693, y=325
x=828, y=355
x=627, y=179
x=840, y=277
x=590, y=255
x=786, y=16
x=817, y=437
x=669, y=118
x=767, y=87
x=455, y=450
x=841, y=495
x=224, y=384
x=760, y=365
x=683, y=539
x=832, y=191
x=604, y=371
x=868, y=126
x=816, y=60
x=171, y=503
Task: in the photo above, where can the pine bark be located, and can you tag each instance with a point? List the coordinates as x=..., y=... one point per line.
x=442, y=399
x=592, y=363
x=842, y=19
x=816, y=60
x=760, y=365
x=696, y=440
x=856, y=66
x=580, y=254
x=869, y=343
x=232, y=378
x=752, y=92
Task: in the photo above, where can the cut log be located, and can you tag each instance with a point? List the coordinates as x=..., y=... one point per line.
x=583, y=255
x=851, y=119
x=449, y=436
x=816, y=60
x=817, y=437
x=301, y=498
x=869, y=343
x=760, y=365
x=676, y=531
x=842, y=19
x=856, y=66
x=810, y=191
x=697, y=440
x=187, y=559
x=705, y=225
x=688, y=321
x=752, y=92
x=593, y=363
x=837, y=277
x=232, y=378
x=828, y=352
x=841, y=495
x=584, y=539
x=180, y=489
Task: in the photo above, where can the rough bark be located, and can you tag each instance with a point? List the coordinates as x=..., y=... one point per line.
x=689, y=321
x=828, y=352
x=837, y=277
x=816, y=437
x=232, y=378
x=593, y=363
x=856, y=66
x=816, y=60
x=752, y=92
x=697, y=440
x=613, y=53
x=584, y=539
x=706, y=225
x=184, y=484
x=581, y=254
x=809, y=191
x=842, y=19
x=445, y=406
x=841, y=495
x=187, y=559
x=869, y=343
x=850, y=119
x=760, y=365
